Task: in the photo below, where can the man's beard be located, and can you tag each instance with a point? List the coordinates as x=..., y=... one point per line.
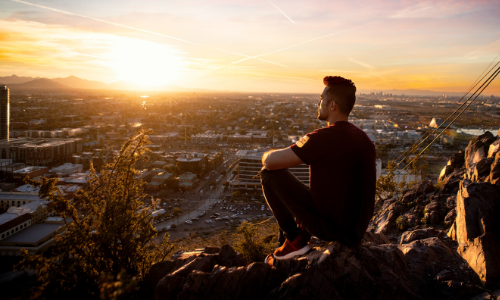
x=320, y=117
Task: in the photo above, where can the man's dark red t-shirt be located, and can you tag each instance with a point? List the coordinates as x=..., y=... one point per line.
x=342, y=176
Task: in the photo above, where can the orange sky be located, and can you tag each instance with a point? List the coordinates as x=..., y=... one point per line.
x=278, y=46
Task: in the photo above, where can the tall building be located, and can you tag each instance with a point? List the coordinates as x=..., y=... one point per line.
x=250, y=163
x=4, y=113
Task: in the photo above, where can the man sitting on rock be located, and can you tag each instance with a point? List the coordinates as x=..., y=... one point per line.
x=339, y=202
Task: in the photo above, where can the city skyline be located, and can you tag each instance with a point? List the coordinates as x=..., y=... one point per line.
x=260, y=47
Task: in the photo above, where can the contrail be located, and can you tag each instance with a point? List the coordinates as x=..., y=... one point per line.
x=281, y=12
x=361, y=63
x=143, y=30
x=398, y=14
x=286, y=48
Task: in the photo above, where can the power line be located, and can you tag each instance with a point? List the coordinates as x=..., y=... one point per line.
x=426, y=135
x=487, y=82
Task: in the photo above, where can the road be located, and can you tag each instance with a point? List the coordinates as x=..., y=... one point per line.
x=188, y=216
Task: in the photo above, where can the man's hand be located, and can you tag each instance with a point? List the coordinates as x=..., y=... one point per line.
x=280, y=159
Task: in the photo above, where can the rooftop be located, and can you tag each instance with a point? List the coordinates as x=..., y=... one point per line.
x=33, y=233
x=30, y=169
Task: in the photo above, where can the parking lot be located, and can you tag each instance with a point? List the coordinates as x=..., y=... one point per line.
x=216, y=214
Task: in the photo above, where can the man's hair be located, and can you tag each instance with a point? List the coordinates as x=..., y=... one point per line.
x=342, y=91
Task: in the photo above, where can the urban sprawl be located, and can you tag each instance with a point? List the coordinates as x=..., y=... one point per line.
x=204, y=149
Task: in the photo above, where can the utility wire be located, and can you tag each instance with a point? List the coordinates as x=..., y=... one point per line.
x=487, y=82
x=426, y=135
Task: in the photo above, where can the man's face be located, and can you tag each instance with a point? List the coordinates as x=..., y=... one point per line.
x=323, y=106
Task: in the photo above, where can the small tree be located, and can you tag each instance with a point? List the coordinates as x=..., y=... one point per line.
x=110, y=233
x=250, y=245
x=176, y=211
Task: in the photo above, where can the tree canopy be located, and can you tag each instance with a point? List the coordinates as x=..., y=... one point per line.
x=109, y=232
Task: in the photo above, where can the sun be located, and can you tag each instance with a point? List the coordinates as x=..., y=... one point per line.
x=144, y=63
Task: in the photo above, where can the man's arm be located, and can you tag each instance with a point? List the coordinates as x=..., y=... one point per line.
x=280, y=159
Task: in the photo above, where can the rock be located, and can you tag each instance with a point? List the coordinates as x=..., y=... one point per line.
x=211, y=250
x=425, y=256
x=452, y=182
x=451, y=202
x=375, y=238
x=495, y=170
x=384, y=221
x=159, y=270
x=494, y=148
x=452, y=289
x=333, y=271
x=424, y=187
x=475, y=151
x=483, y=296
x=432, y=212
x=191, y=288
x=477, y=229
x=450, y=218
x=482, y=169
x=419, y=234
x=229, y=258
x=445, y=275
x=455, y=163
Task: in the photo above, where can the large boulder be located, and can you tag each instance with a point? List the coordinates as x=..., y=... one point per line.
x=477, y=229
x=478, y=149
x=329, y=271
x=425, y=256
x=420, y=234
x=495, y=170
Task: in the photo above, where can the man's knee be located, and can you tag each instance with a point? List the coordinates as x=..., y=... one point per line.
x=267, y=175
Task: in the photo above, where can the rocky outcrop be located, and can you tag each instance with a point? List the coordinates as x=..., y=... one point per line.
x=465, y=206
x=477, y=229
x=330, y=271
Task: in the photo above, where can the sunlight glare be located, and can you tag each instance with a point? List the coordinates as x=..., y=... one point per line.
x=144, y=63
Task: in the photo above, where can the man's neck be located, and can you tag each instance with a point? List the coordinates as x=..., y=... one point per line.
x=337, y=118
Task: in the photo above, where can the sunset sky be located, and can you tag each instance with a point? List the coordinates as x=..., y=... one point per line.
x=254, y=46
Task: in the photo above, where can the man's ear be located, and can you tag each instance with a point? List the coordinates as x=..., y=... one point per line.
x=334, y=106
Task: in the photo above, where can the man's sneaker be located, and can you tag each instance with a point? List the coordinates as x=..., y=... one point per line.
x=299, y=246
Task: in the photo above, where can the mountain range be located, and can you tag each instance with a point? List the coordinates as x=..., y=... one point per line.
x=15, y=82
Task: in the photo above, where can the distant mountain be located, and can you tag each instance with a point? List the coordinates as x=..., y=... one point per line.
x=14, y=79
x=15, y=82
x=79, y=83
x=42, y=83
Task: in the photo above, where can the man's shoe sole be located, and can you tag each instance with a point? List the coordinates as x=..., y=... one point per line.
x=294, y=253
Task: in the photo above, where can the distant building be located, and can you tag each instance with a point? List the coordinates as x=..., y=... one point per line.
x=163, y=138
x=187, y=180
x=206, y=138
x=67, y=169
x=192, y=162
x=19, y=218
x=36, y=238
x=162, y=177
x=17, y=199
x=39, y=151
x=31, y=172
x=437, y=122
x=250, y=163
x=4, y=113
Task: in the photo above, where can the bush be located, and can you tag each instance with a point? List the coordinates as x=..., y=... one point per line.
x=111, y=234
x=401, y=223
x=250, y=245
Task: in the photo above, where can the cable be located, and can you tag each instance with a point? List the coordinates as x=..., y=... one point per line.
x=427, y=135
x=487, y=82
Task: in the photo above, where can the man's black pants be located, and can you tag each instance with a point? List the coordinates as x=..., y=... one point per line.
x=288, y=198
